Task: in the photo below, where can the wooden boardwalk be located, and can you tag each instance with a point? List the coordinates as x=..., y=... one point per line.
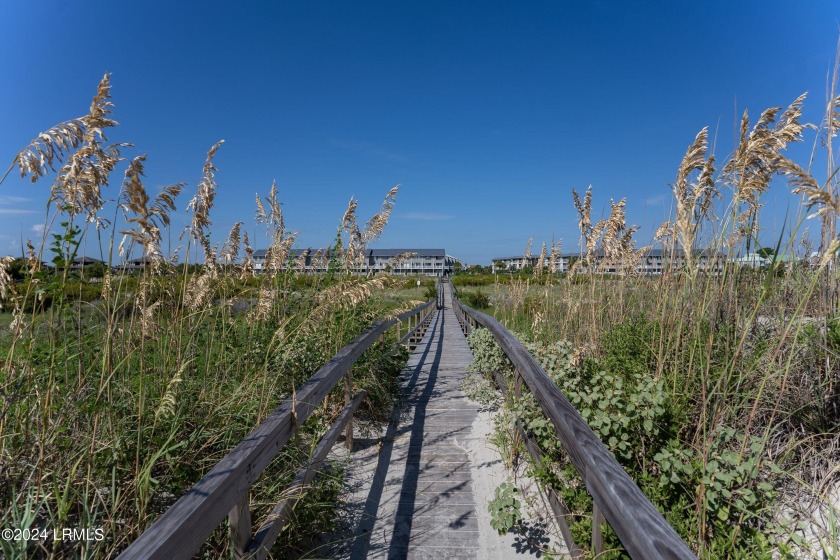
x=418, y=489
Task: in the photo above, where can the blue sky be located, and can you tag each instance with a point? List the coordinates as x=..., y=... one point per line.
x=486, y=113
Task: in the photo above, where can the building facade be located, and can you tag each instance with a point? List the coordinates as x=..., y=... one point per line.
x=652, y=261
x=424, y=262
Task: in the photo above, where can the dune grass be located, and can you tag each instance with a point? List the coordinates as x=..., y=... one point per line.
x=119, y=390
x=716, y=385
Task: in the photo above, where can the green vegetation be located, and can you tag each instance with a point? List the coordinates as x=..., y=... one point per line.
x=715, y=386
x=118, y=390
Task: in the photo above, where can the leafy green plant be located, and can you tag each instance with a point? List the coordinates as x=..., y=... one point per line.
x=476, y=299
x=488, y=356
x=505, y=508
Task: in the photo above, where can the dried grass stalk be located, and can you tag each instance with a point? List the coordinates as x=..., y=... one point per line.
x=7, y=285
x=230, y=253
x=758, y=157
x=148, y=219
x=541, y=262
x=375, y=226
x=202, y=202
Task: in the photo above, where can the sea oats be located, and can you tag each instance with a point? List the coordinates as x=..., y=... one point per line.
x=18, y=325
x=758, y=157
x=354, y=252
x=200, y=288
x=319, y=260
x=695, y=200
x=342, y=296
x=821, y=198
x=556, y=255
x=541, y=262
x=664, y=232
x=375, y=226
x=275, y=216
x=77, y=188
x=265, y=302
x=148, y=326
x=300, y=262
x=527, y=254
x=106, y=284
x=277, y=255
x=33, y=263
x=246, y=269
x=202, y=202
x=261, y=216
x=587, y=243
x=148, y=219
x=6, y=282
x=168, y=401
x=230, y=253
x=830, y=254
x=49, y=148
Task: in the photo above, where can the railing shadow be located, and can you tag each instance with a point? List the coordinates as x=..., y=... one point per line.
x=408, y=493
x=361, y=543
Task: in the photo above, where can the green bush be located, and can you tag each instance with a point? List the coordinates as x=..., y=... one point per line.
x=636, y=417
x=476, y=300
x=473, y=280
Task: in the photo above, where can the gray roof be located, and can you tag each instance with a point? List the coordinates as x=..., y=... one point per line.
x=419, y=252
x=516, y=258
x=371, y=252
x=85, y=260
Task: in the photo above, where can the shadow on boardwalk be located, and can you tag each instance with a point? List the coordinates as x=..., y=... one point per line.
x=411, y=493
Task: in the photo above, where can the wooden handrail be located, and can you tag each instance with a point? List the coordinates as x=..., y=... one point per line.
x=185, y=526
x=260, y=546
x=639, y=525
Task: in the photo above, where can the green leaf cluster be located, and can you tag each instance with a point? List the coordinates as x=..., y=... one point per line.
x=505, y=508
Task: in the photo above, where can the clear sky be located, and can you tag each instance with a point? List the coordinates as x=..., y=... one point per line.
x=487, y=113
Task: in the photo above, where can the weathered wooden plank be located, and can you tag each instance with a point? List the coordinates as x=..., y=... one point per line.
x=415, y=335
x=597, y=536
x=639, y=525
x=184, y=527
x=348, y=397
x=239, y=519
x=265, y=537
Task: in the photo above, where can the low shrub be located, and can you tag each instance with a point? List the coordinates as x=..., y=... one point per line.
x=476, y=300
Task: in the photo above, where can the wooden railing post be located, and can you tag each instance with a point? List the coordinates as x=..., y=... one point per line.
x=597, y=536
x=348, y=396
x=240, y=526
x=517, y=384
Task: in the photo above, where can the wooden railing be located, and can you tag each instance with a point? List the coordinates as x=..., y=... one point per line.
x=225, y=490
x=643, y=531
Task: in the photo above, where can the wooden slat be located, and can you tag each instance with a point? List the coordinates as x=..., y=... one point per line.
x=261, y=545
x=185, y=526
x=639, y=525
x=348, y=397
x=416, y=333
x=597, y=536
x=239, y=519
